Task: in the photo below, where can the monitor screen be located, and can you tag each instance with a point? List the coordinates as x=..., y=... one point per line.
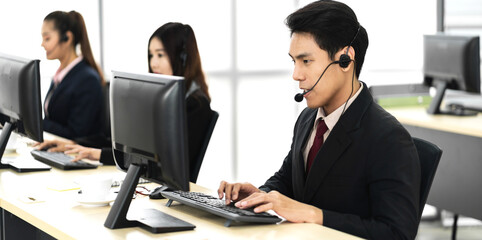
x=149, y=136
x=451, y=62
x=20, y=104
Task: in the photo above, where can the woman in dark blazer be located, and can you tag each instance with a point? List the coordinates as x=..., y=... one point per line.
x=73, y=105
x=172, y=50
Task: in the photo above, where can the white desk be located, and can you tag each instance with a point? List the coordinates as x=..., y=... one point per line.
x=418, y=117
x=62, y=217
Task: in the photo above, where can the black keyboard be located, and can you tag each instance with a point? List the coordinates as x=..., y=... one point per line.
x=60, y=160
x=217, y=206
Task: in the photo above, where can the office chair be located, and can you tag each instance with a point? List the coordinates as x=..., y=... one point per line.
x=200, y=157
x=429, y=156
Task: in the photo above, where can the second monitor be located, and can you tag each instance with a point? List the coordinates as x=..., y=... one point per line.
x=149, y=139
x=451, y=62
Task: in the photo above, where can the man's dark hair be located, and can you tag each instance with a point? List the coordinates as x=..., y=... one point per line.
x=333, y=25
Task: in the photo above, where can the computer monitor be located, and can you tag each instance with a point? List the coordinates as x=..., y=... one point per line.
x=149, y=139
x=20, y=104
x=451, y=62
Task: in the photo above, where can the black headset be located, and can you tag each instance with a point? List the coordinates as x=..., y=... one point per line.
x=64, y=37
x=345, y=59
x=183, y=53
x=63, y=27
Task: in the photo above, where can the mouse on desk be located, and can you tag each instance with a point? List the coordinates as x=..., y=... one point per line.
x=157, y=192
x=456, y=109
x=460, y=110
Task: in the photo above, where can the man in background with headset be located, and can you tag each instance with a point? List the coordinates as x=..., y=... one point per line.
x=352, y=166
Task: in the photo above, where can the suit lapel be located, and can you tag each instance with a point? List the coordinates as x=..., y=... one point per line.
x=298, y=161
x=330, y=152
x=64, y=84
x=336, y=144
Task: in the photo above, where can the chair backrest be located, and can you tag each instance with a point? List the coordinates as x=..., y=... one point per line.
x=207, y=137
x=429, y=156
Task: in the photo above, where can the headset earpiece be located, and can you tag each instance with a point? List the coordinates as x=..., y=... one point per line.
x=64, y=38
x=344, y=60
x=183, y=57
x=183, y=54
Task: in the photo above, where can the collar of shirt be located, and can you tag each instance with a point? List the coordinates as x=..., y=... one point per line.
x=61, y=73
x=333, y=118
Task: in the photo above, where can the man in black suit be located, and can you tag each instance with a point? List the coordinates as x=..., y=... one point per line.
x=352, y=166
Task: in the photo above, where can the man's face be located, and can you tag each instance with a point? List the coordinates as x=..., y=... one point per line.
x=309, y=62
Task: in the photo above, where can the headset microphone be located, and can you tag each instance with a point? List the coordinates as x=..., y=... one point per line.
x=299, y=97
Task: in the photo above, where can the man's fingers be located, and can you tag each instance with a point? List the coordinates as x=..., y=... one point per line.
x=227, y=193
x=222, y=185
x=235, y=192
x=263, y=207
x=252, y=200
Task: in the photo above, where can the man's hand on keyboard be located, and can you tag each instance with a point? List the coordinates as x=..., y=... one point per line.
x=56, y=145
x=284, y=206
x=235, y=191
x=83, y=152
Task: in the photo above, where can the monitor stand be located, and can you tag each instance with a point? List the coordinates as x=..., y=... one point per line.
x=152, y=220
x=4, y=136
x=434, y=107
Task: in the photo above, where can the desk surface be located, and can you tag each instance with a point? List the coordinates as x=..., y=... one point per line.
x=418, y=117
x=61, y=216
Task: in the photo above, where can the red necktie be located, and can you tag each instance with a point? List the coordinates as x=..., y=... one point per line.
x=320, y=131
